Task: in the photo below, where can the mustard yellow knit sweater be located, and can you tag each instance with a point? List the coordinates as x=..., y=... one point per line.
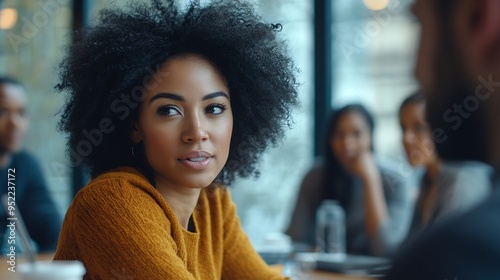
x=121, y=227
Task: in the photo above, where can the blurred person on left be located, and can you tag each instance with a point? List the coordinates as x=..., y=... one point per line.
x=21, y=176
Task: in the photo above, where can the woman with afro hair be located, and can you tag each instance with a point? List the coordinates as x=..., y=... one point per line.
x=165, y=107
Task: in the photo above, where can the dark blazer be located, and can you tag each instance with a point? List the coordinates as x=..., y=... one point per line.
x=464, y=248
x=32, y=200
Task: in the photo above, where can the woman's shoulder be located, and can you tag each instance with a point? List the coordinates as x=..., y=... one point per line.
x=468, y=178
x=125, y=173
x=216, y=194
x=466, y=173
x=388, y=166
x=316, y=171
x=117, y=186
x=317, y=168
x=466, y=168
x=121, y=195
x=393, y=172
x=216, y=200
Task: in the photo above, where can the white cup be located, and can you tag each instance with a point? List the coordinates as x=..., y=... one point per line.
x=52, y=270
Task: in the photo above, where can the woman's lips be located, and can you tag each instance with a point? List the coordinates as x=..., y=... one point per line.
x=348, y=157
x=196, y=160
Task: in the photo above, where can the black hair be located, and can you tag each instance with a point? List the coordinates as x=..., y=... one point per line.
x=445, y=8
x=9, y=80
x=336, y=180
x=415, y=98
x=111, y=61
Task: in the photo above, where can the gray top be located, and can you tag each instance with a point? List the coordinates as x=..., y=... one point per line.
x=460, y=186
x=399, y=205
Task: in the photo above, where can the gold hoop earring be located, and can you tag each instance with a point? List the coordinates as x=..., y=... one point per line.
x=133, y=152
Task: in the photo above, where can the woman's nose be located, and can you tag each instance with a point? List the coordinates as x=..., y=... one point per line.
x=408, y=138
x=195, y=130
x=349, y=143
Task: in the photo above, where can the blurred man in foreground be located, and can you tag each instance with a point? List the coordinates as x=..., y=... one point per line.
x=459, y=68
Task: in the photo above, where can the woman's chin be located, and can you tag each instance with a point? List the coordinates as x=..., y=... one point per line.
x=415, y=163
x=200, y=183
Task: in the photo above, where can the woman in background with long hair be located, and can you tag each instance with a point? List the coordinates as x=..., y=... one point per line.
x=374, y=197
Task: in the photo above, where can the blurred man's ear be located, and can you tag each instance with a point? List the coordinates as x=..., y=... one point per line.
x=479, y=21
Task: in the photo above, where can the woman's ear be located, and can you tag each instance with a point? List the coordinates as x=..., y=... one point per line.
x=135, y=132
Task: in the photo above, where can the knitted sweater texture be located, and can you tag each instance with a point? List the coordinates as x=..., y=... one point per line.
x=121, y=227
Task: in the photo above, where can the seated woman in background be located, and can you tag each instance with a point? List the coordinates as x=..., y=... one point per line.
x=375, y=199
x=445, y=188
x=179, y=102
x=27, y=187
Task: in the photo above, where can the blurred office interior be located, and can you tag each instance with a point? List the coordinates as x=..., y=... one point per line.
x=347, y=51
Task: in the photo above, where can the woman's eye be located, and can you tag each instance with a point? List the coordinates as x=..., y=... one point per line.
x=216, y=109
x=167, y=111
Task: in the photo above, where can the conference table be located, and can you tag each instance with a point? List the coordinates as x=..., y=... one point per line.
x=5, y=274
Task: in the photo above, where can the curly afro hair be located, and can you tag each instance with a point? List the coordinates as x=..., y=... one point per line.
x=113, y=60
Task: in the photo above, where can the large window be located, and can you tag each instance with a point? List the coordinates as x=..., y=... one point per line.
x=265, y=204
x=373, y=60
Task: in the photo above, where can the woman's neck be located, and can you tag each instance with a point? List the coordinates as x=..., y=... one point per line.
x=432, y=171
x=181, y=199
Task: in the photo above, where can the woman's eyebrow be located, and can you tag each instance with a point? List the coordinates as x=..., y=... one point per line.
x=177, y=97
x=214, y=95
x=168, y=96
